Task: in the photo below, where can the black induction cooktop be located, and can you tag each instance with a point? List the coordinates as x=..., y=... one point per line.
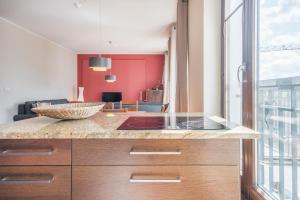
x=171, y=123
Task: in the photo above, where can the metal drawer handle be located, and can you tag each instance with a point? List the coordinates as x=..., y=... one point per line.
x=154, y=152
x=27, y=151
x=26, y=179
x=154, y=179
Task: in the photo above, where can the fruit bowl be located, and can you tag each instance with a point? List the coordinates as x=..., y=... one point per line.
x=70, y=110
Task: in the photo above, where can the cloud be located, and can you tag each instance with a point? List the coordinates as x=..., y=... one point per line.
x=280, y=22
x=279, y=26
x=279, y=64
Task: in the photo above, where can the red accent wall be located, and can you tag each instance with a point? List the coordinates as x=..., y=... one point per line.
x=135, y=73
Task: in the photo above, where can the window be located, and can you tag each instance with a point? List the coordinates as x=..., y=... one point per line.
x=278, y=98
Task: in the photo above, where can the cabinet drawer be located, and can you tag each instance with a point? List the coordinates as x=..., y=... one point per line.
x=155, y=152
x=156, y=182
x=35, y=152
x=35, y=183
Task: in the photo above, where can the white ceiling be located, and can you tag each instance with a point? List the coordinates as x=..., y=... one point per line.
x=133, y=26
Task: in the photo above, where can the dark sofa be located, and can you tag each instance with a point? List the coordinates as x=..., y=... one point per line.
x=24, y=110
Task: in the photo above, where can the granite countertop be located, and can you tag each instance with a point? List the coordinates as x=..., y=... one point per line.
x=104, y=125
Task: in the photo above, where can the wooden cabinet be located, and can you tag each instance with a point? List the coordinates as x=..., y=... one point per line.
x=35, y=183
x=154, y=96
x=35, y=169
x=114, y=169
x=156, y=182
x=35, y=152
x=155, y=152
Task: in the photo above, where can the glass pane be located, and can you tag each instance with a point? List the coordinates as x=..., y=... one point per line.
x=278, y=98
x=234, y=58
x=231, y=5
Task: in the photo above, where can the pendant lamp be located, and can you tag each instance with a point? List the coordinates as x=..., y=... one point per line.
x=110, y=78
x=98, y=63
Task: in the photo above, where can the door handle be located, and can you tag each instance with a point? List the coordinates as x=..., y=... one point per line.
x=27, y=151
x=154, y=152
x=241, y=68
x=154, y=179
x=26, y=179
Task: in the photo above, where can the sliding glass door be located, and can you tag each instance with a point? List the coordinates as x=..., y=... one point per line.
x=278, y=98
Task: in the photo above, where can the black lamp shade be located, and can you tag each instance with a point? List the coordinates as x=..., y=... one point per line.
x=110, y=78
x=100, y=63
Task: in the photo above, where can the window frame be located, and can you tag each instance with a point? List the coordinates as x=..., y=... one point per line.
x=258, y=190
x=248, y=178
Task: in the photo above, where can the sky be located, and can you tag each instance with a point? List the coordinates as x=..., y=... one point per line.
x=279, y=28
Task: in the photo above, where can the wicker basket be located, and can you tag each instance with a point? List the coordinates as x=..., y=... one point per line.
x=70, y=110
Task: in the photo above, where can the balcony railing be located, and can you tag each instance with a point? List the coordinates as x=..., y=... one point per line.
x=278, y=119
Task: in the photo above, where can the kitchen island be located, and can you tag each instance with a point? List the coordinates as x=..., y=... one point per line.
x=43, y=158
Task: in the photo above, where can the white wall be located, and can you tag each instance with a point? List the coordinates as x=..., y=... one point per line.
x=32, y=68
x=205, y=56
x=212, y=57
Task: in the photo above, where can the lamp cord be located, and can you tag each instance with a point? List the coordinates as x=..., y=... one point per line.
x=99, y=27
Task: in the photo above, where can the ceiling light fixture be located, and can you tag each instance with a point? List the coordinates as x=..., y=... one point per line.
x=99, y=63
x=110, y=78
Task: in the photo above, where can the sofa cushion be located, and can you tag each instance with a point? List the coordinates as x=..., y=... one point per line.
x=21, y=117
x=21, y=109
x=28, y=106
